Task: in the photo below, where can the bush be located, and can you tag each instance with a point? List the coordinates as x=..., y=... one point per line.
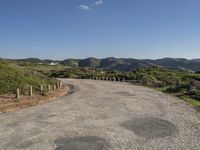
x=13, y=77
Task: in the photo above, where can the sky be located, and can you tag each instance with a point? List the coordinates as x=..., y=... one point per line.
x=60, y=29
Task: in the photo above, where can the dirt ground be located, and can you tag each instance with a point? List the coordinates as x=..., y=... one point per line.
x=9, y=103
x=103, y=115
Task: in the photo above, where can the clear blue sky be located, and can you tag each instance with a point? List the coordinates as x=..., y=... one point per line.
x=60, y=29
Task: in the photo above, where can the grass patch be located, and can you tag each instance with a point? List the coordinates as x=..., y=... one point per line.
x=193, y=102
x=12, y=77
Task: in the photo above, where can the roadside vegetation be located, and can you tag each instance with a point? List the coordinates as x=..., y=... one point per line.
x=13, y=76
x=183, y=84
x=20, y=74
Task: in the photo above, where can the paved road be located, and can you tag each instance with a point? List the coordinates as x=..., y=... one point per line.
x=103, y=115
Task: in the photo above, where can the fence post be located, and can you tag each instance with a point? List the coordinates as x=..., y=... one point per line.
x=54, y=87
x=60, y=84
x=57, y=85
x=49, y=87
x=124, y=80
x=41, y=88
x=17, y=94
x=118, y=79
x=30, y=90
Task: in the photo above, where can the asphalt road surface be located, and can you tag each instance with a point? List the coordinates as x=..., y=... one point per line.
x=100, y=115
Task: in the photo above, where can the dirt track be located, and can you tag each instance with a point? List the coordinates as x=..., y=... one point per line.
x=103, y=115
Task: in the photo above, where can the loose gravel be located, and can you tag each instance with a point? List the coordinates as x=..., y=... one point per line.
x=103, y=115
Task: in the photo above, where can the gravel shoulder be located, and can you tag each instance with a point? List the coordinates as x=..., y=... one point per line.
x=100, y=115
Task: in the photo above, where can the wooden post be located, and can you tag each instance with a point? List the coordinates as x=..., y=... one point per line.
x=41, y=88
x=118, y=79
x=60, y=83
x=54, y=87
x=114, y=78
x=57, y=85
x=17, y=94
x=124, y=80
x=49, y=87
x=106, y=78
x=30, y=90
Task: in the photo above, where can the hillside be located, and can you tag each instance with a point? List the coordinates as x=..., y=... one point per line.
x=129, y=64
x=90, y=63
x=178, y=63
x=13, y=77
x=70, y=62
x=118, y=64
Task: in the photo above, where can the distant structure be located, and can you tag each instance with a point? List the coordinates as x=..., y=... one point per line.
x=53, y=64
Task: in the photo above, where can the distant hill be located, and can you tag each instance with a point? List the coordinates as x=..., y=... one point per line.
x=178, y=63
x=70, y=62
x=35, y=60
x=90, y=63
x=125, y=64
x=129, y=64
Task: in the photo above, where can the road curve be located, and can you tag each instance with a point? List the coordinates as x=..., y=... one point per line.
x=101, y=115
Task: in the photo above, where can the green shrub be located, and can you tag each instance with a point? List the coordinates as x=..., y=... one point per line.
x=13, y=77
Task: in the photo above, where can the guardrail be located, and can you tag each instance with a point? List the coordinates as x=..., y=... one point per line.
x=116, y=79
x=109, y=79
x=40, y=90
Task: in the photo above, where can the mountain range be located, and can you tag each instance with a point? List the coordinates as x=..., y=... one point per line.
x=125, y=64
x=129, y=64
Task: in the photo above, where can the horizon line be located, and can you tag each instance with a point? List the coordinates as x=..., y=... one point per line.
x=97, y=58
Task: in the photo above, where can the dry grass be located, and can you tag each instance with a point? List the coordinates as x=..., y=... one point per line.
x=8, y=103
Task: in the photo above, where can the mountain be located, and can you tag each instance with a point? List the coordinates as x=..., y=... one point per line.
x=90, y=63
x=125, y=64
x=34, y=60
x=178, y=63
x=70, y=62
x=130, y=64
